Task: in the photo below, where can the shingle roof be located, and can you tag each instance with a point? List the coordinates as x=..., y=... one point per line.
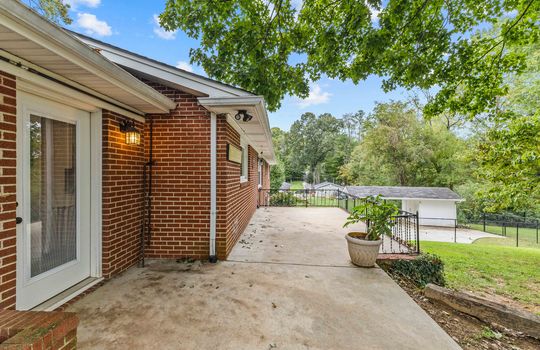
x=398, y=192
x=324, y=184
x=153, y=60
x=285, y=186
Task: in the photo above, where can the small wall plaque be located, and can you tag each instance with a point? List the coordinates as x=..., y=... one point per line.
x=234, y=154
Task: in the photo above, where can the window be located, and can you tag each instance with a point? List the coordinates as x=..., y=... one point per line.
x=244, y=170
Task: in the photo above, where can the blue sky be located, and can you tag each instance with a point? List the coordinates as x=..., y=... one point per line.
x=132, y=26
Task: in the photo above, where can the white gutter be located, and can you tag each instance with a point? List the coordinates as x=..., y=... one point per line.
x=213, y=184
x=17, y=17
x=228, y=104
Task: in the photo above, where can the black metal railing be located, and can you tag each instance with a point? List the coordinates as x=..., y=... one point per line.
x=405, y=238
x=298, y=198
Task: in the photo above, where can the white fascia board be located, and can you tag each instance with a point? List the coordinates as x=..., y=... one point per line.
x=415, y=199
x=254, y=102
x=232, y=101
x=435, y=199
x=22, y=20
x=38, y=85
x=189, y=82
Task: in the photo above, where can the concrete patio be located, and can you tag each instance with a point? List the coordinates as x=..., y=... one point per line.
x=446, y=234
x=288, y=284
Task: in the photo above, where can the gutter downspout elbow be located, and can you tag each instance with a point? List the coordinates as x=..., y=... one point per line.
x=213, y=185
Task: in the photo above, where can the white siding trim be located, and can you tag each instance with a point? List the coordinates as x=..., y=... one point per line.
x=96, y=194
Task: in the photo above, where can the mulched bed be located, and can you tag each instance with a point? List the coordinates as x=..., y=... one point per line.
x=469, y=332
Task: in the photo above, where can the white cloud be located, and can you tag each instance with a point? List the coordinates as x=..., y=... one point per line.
x=88, y=3
x=92, y=25
x=184, y=65
x=162, y=33
x=316, y=97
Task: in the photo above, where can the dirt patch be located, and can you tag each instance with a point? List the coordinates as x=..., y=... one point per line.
x=469, y=332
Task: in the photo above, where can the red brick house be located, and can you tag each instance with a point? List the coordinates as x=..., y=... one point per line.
x=109, y=157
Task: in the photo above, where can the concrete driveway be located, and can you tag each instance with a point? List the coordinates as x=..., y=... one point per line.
x=447, y=234
x=288, y=285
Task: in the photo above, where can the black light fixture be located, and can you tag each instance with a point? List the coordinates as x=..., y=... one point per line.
x=133, y=136
x=243, y=115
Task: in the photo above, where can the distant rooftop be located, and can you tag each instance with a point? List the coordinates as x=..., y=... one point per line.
x=325, y=184
x=399, y=192
x=285, y=186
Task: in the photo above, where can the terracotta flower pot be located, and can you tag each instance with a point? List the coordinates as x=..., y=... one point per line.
x=362, y=252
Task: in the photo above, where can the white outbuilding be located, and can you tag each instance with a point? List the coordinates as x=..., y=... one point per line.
x=436, y=206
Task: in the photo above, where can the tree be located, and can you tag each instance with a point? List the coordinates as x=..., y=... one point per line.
x=55, y=10
x=310, y=141
x=337, y=158
x=509, y=160
x=276, y=47
x=508, y=152
x=277, y=171
x=399, y=149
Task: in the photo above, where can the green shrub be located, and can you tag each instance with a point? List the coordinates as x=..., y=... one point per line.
x=283, y=199
x=427, y=268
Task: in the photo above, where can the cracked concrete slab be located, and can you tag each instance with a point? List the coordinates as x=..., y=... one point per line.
x=302, y=294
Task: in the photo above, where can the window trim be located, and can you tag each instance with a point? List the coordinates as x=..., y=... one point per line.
x=244, y=165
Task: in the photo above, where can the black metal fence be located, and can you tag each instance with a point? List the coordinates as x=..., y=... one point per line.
x=405, y=238
x=523, y=230
x=298, y=198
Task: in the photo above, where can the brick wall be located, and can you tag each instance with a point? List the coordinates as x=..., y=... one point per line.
x=266, y=175
x=8, y=163
x=181, y=182
x=122, y=196
x=181, y=179
x=263, y=195
x=236, y=201
x=38, y=330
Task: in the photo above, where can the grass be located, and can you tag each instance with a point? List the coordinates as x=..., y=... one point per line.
x=509, y=272
x=527, y=236
x=297, y=185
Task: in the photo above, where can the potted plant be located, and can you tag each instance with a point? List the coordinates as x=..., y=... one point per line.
x=377, y=215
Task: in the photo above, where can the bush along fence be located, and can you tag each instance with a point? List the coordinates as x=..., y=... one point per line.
x=405, y=231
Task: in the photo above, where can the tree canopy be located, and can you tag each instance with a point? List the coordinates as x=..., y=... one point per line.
x=508, y=152
x=399, y=148
x=55, y=10
x=276, y=47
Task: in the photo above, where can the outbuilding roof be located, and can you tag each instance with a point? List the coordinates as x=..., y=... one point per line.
x=325, y=184
x=402, y=192
x=285, y=186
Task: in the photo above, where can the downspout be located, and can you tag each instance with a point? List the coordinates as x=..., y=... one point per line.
x=213, y=184
x=146, y=227
x=150, y=182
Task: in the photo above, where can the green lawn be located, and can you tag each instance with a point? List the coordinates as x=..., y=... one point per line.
x=297, y=185
x=510, y=272
x=527, y=236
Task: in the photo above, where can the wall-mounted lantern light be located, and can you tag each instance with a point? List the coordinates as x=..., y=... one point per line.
x=133, y=136
x=243, y=115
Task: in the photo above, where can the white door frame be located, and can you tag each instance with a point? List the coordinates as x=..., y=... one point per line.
x=95, y=171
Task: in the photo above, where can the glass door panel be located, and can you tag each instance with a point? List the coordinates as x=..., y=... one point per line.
x=53, y=194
